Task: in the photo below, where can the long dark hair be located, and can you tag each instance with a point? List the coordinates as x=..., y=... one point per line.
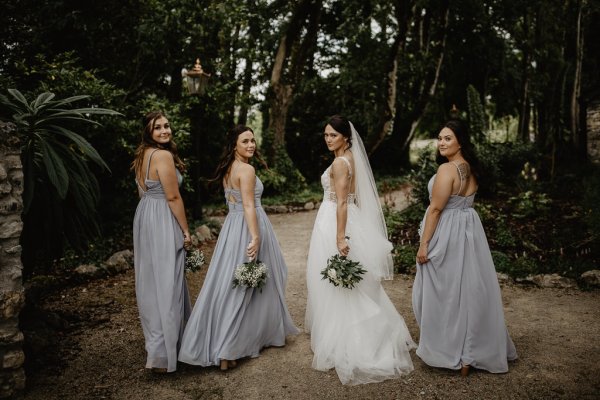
x=342, y=125
x=228, y=155
x=466, y=147
x=147, y=142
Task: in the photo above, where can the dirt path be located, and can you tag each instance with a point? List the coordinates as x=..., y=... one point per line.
x=556, y=333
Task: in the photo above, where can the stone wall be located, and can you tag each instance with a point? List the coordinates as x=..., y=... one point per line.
x=593, y=131
x=12, y=375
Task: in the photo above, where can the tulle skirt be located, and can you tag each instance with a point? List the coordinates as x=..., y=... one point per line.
x=356, y=331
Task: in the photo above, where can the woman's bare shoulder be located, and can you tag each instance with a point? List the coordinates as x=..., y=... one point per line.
x=163, y=155
x=445, y=168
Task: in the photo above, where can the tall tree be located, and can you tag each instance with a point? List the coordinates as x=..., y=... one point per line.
x=293, y=52
x=403, y=13
x=576, y=131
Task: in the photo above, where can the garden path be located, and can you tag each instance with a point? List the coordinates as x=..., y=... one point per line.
x=555, y=332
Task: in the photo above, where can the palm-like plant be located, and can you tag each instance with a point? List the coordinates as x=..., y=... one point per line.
x=61, y=191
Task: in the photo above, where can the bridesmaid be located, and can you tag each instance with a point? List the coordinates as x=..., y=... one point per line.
x=456, y=296
x=160, y=232
x=231, y=323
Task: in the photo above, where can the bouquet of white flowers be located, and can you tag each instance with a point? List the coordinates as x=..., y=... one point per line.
x=194, y=260
x=342, y=271
x=252, y=274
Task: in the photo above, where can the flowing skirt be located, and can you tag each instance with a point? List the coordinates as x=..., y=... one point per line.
x=160, y=286
x=457, y=299
x=356, y=331
x=231, y=323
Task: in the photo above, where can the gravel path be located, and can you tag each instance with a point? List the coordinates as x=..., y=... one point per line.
x=556, y=333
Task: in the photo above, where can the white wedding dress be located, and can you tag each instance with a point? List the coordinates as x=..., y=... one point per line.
x=356, y=331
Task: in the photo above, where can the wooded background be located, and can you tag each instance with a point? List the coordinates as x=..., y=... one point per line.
x=522, y=72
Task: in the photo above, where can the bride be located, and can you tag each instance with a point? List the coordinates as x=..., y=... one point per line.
x=356, y=331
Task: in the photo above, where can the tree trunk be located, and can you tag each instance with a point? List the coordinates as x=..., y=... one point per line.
x=525, y=110
x=293, y=54
x=578, y=140
x=430, y=83
x=281, y=97
x=388, y=112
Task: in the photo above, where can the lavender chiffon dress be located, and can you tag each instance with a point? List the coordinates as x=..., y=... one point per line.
x=456, y=295
x=231, y=323
x=160, y=286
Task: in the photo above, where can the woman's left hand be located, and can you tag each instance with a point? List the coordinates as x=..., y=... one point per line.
x=187, y=240
x=343, y=247
x=422, y=253
x=252, y=249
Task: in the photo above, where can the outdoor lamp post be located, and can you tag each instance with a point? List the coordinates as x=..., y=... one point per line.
x=196, y=81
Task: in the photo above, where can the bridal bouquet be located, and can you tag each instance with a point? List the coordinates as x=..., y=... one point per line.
x=252, y=274
x=194, y=260
x=342, y=271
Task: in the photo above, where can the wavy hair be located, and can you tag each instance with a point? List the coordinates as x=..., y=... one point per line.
x=147, y=142
x=460, y=130
x=228, y=155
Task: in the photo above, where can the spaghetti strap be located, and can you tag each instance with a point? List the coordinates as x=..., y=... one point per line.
x=461, y=177
x=148, y=166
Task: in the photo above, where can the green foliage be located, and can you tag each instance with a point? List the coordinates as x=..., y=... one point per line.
x=529, y=204
x=403, y=233
x=590, y=202
x=502, y=262
x=503, y=234
x=283, y=176
x=419, y=177
x=342, y=271
x=128, y=56
x=389, y=183
x=61, y=191
x=476, y=115
x=502, y=163
x=404, y=258
x=313, y=193
x=519, y=267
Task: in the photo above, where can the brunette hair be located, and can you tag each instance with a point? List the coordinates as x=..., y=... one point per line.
x=147, y=142
x=228, y=155
x=342, y=125
x=460, y=130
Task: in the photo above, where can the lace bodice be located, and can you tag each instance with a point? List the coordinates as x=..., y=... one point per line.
x=328, y=193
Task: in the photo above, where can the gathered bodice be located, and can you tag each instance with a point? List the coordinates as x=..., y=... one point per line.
x=233, y=197
x=455, y=201
x=328, y=193
x=154, y=188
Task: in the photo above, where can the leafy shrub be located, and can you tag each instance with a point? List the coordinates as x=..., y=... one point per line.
x=530, y=204
x=476, y=114
x=502, y=163
x=590, y=201
x=503, y=234
x=61, y=191
x=402, y=231
x=502, y=262
x=282, y=176
x=404, y=258
x=419, y=177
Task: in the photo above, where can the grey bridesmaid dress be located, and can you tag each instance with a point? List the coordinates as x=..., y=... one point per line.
x=456, y=295
x=160, y=286
x=231, y=323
